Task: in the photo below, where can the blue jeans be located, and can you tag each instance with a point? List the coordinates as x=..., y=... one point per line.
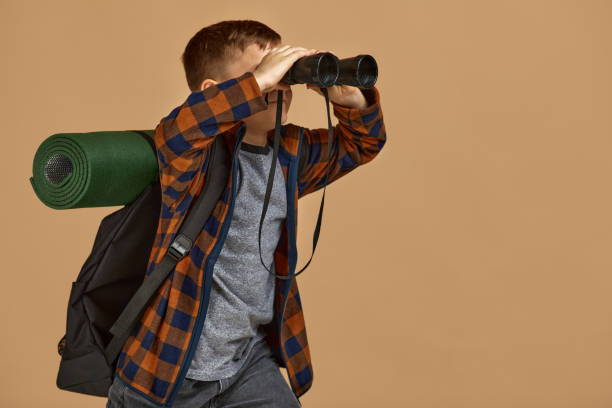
x=258, y=383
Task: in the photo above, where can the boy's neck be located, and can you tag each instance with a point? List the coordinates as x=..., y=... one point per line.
x=256, y=138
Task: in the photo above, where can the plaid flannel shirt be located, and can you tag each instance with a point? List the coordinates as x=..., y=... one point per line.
x=158, y=352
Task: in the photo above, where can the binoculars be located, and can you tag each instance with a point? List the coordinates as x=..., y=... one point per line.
x=325, y=69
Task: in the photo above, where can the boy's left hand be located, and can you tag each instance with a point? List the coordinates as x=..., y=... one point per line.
x=345, y=95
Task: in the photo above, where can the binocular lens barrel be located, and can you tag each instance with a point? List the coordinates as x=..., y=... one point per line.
x=325, y=69
x=360, y=71
x=319, y=69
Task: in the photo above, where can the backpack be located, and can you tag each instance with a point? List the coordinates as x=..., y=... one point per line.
x=110, y=293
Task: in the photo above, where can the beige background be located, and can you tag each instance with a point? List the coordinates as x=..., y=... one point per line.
x=468, y=265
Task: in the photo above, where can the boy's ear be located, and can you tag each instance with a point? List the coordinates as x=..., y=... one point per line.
x=208, y=82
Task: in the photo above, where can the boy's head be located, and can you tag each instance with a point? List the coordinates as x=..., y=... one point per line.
x=226, y=50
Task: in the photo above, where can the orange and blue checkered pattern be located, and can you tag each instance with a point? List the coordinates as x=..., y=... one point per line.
x=158, y=352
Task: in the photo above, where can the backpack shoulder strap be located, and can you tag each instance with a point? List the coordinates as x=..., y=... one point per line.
x=214, y=185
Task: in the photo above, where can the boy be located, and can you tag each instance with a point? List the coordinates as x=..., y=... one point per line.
x=222, y=324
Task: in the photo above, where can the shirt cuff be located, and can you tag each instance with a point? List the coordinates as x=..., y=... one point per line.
x=251, y=90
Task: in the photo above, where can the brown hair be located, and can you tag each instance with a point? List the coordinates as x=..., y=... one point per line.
x=209, y=50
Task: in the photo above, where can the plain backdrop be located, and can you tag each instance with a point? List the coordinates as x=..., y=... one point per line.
x=467, y=265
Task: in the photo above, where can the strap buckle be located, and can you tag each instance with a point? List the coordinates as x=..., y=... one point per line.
x=179, y=247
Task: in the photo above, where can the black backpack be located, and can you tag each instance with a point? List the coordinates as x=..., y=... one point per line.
x=109, y=296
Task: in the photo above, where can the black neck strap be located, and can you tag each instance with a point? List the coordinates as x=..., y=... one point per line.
x=277, y=131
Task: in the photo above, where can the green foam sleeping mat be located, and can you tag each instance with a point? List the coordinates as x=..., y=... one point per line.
x=95, y=169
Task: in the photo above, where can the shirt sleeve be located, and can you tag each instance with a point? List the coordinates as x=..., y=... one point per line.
x=183, y=137
x=357, y=138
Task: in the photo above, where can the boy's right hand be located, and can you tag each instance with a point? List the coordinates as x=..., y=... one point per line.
x=275, y=64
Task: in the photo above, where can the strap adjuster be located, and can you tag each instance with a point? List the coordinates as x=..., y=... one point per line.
x=179, y=247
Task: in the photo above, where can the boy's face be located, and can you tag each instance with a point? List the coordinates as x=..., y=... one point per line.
x=262, y=121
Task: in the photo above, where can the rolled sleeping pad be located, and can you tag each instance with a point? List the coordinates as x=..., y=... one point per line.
x=95, y=169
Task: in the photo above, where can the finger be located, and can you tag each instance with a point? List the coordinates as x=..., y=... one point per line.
x=294, y=50
x=288, y=48
x=298, y=53
x=280, y=50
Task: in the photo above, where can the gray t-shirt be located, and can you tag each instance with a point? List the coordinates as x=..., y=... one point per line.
x=242, y=292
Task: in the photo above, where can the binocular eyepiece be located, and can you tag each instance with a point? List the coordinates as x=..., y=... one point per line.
x=325, y=69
